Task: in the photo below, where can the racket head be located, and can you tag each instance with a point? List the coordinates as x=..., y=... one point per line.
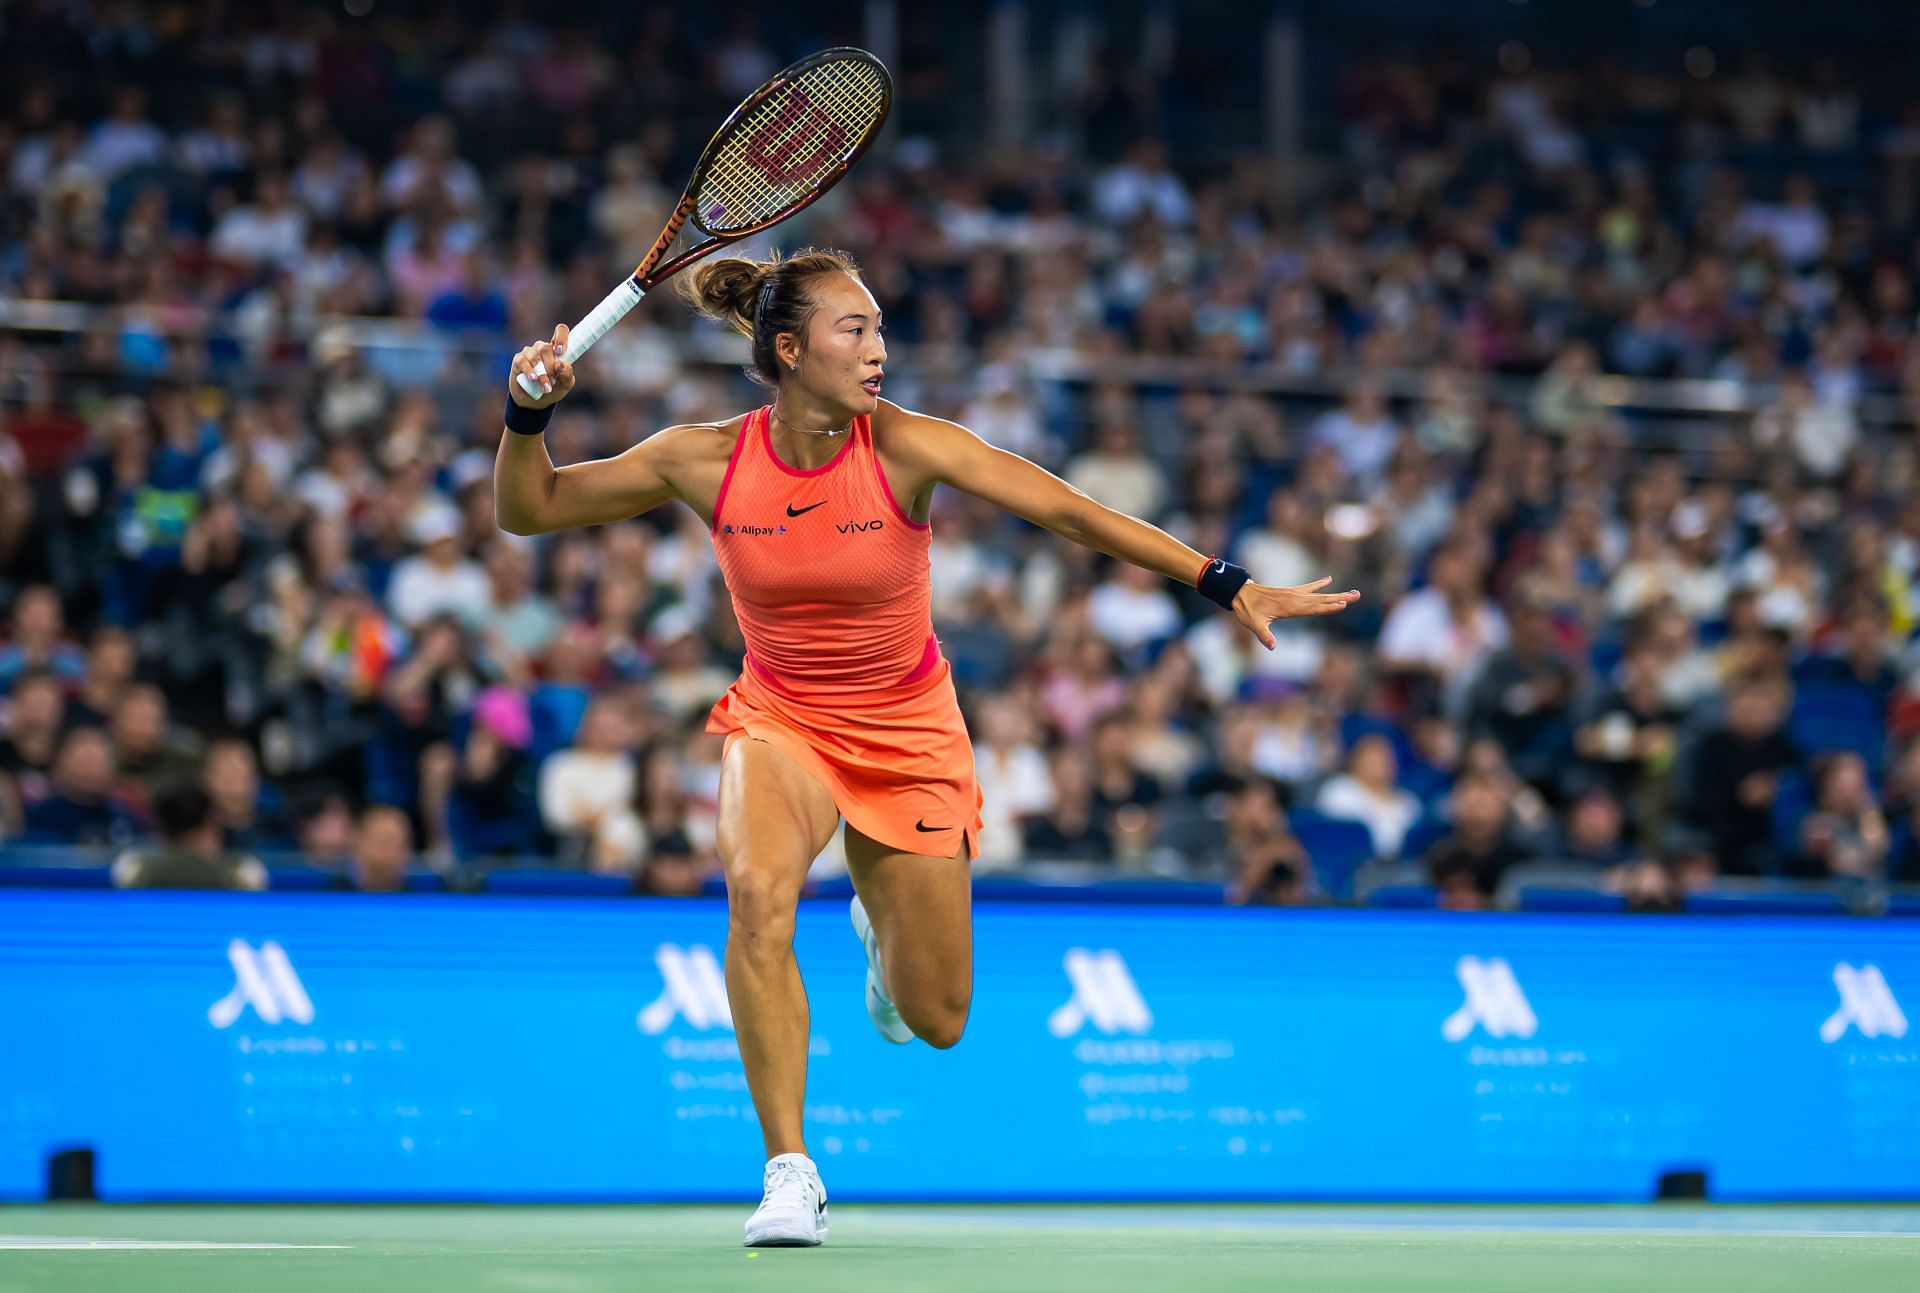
x=790, y=142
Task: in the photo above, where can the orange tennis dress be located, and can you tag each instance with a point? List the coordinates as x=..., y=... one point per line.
x=831, y=583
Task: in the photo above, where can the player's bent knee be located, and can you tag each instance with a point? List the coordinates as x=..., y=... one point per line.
x=941, y=1033
x=760, y=910
x=939, y=1025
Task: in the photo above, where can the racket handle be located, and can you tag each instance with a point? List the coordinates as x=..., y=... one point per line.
x=582, y=335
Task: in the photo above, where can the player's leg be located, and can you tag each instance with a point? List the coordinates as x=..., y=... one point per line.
x=921, y=909
x=774, y=820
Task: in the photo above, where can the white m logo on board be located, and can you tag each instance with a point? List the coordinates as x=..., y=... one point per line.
x=694, y=989
x=1494, y=1001
x=264, y=980
x=1866, y=1002
x=1104, y=994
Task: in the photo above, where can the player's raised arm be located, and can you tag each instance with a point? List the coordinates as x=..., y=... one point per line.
x=955, y=456
x=530, y=496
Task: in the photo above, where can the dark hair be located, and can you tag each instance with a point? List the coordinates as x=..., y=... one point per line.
x=180, y=810
x=33, y=675
x=760, y=299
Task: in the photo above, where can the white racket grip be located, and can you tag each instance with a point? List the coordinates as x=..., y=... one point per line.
x=582, y=335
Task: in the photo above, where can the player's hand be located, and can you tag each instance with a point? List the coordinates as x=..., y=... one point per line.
x=543, y=362
x=1257, y=605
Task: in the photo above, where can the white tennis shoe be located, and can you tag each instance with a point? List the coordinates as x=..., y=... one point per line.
x=879, y=1008
x=793, y=1206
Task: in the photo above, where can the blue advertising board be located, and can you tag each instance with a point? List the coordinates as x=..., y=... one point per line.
x=337, y=1046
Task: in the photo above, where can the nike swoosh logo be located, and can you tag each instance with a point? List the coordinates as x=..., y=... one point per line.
x=1219, y=567
x=922, y=826
x=808, y=508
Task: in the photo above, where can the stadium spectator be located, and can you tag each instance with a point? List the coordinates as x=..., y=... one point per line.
x=1446, y=630
x=148, y=749
x=559, y=700
x=35, y=718
x=1626, y=734
x=490, y=807
x=109, y=673
x=269, y=230
x=1466, y=864
x=1115, y=471
x=38, y=639
x=515, y=623
x=1361, y=434
x=1846, y=834
x=230, y=775
x=1737, y=770
x=190, y=855
x=382, y=851
x=1143, y=186
x=685, y=681
x=673, y=868
x=1523, y=695
x=1368, y=793
x=1073, y=829
x=439, y=580
x=667, y=802
x=1126, y=798
x=1015, y=783
x=1133, y=609
x=323, y=827
x=1281, y=553
x=586, y=792
x=80, y=806
x=1595, y=834
x=1269, y=867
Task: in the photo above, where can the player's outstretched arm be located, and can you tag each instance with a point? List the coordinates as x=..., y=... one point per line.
x=955, y=456
x=530, y=496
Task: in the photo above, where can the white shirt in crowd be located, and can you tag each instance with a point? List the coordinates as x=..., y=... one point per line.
x=1386, y=817
x=249, y=235
x=961, y=569
x=586, y=794
x=1130, y=617
x=1364, y=447
x=1127, y=483
x=1015, y=783
x=1277, y=560
x=116, y=145
x=1420, y=629
x=1123, y=193
x=422, y=590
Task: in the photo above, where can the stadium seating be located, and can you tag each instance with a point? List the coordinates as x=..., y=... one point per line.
x=1337, y=848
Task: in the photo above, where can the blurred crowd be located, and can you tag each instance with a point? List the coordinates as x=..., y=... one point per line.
x=256, y=605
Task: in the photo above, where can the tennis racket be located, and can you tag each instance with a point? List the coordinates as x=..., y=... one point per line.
x=790, y=142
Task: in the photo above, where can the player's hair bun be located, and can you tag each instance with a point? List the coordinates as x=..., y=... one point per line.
x=761, y=299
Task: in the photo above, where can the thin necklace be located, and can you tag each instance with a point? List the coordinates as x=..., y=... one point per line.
x=802, y=430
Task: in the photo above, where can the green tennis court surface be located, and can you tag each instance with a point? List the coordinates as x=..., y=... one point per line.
x=999, y=1249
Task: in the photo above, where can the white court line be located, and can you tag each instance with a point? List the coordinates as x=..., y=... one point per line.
x=76, y=1243
x=1541, y=1228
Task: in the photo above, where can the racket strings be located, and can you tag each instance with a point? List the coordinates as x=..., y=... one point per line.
x=788, y=145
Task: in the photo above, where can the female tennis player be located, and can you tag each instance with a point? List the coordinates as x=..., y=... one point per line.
x=817, y=506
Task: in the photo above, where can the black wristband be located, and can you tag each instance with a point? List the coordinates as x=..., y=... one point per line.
x=1221, y=582
x=525, y=421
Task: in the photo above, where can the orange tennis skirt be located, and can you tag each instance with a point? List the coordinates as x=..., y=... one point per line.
x=899, y=767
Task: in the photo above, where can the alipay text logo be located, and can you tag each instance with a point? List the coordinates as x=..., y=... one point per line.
x=1494, y=1001
x=1866, y=1003
x=1104, y=994
x=694, y=989
x=265, y=980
